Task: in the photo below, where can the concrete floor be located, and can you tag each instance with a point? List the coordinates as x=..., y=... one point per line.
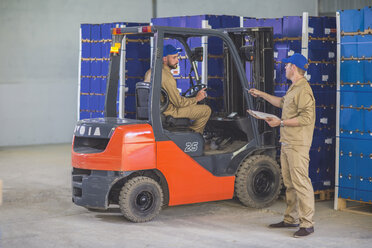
x=37, y=212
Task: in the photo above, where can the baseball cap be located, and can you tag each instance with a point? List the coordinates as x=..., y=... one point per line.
x=169, y=50
x=298, y=60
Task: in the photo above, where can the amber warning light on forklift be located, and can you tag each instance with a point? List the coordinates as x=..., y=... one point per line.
x=115, y=48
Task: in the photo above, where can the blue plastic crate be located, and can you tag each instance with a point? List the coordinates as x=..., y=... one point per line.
x=368, y=74
x=316, y=156
x=249, y=22
x=347, y=193
x=93, y=103
x=97, y=115
x=349, y=46
x=294, y=47
x=352, y=20
x=331, y=48
x=355, y=162
x=84, y=115
x=84, y=102
x=85, y=85
x=216, y=104
x=275, y=23
x=325, y=98
x=364, y=46
x=101, y=102
x=325, y=116
x=85, y=37
x=215, y=46
x=351, y=72
x=105, y=68
x=281, y=50
x=367, y=17
x=363, y=195
x=329, y=72
x=106, y=31
x=347, y=166
x=85, y=69
x=314, y=73
x=85, y=49
x=130, y=115
x=351, y=119
x=216, y=85
x=105, y=49
x=96, y=41
x=96, y=67
x=368, y=121
x=364, y=173
x=358, y=99
x=324, y=130
x=316, y=27
x=329, y=26
x=318, y=50
x=130, y=104
x=215, y=67
x=85, y=31
x=135, y=68
x=95, y=85
x=130, y=83
x=103, y=85
x=292, y=26
x=183, y=84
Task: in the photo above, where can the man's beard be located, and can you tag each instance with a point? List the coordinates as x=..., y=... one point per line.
x=172, y=66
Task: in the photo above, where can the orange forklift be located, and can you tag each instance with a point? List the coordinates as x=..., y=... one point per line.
x=153, y=161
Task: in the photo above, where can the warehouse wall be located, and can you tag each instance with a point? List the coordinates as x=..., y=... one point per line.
x=249, y=8
x=39, y=47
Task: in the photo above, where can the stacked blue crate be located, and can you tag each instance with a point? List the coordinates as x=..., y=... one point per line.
x=355, y=91
x=215, y=53
x=95, y=58
x=321, y=76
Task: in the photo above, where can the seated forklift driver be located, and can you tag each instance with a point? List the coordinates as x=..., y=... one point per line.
x=182, y=107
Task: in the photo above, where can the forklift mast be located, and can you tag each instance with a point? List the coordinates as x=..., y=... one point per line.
x=255, y=47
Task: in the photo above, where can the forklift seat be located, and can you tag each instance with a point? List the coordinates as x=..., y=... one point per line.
x=142, y=99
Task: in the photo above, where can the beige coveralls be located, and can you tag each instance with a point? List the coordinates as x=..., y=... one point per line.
x=182, y=107
x=298, y=102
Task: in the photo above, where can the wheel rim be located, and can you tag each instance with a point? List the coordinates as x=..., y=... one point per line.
x=144, y=201
x=263, y=183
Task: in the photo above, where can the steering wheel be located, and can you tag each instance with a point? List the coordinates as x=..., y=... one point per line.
x=194, y=89
x=164, y=100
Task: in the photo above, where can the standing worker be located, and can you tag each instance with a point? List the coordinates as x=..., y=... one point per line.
x=296, y=134
x=182, y=107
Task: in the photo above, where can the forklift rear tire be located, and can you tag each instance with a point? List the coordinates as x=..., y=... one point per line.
x=258, y=181
x=141, y=199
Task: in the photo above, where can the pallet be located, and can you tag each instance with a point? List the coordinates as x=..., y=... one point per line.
x=354, y=206
x=324, y=195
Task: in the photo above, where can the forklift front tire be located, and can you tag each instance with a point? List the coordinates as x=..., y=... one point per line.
x=141, y=199
x=258, y=181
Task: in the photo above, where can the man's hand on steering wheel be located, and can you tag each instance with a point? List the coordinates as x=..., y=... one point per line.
x=201, y=95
